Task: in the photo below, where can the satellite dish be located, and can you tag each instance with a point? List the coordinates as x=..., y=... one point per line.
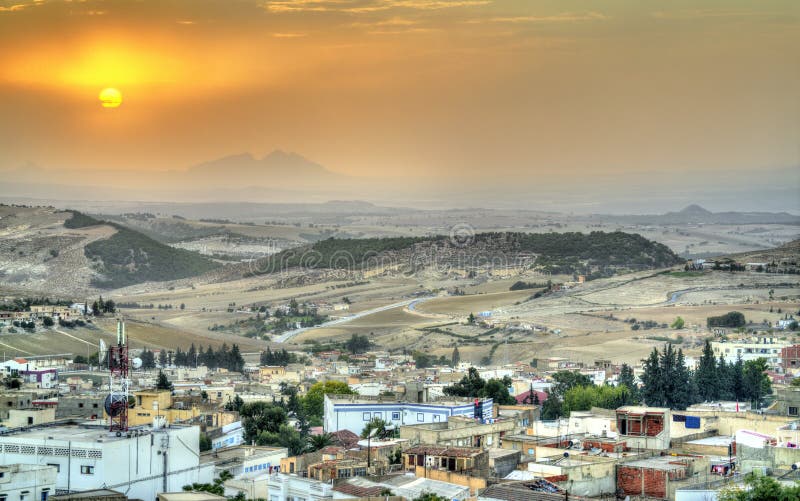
x=136, y=363
x=566, y=454
x=115, y=403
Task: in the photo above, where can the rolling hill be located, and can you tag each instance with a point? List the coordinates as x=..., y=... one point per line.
x=595, y=254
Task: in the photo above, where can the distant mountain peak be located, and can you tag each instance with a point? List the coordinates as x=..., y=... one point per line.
x=277, y=166
x=695, y=210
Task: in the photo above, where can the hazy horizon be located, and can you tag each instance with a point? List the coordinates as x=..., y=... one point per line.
x=563, y=105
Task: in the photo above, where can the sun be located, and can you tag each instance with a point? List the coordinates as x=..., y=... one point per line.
x=110, y=97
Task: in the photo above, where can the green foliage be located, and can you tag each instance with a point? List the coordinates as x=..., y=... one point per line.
x=314, y=400
x=520, y=285
x=757, y=384
x=666, y=381
x=374, y=424
x=706, y=375
x=357, y=344
x=473, y=385
x=558, y=252
x=163, y=383
x=48, y=322
x=80, y=220
x=129, y=257
x=583, y=398
x=760, y=488
x=628, y=380
x=285, y=436
x=424, y=360
x=678, y=323
x=280, y=358
x=205, y=442
x=731, y=319
x=259, y=417
x=317, y=442
x=564, y=381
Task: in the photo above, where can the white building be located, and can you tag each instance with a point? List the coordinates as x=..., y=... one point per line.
x=768, y=348
x=282, y=487
x=353, y=412
x=140, y=464
x=27, y=482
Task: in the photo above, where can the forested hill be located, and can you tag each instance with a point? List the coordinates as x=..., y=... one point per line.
x=589, y=253
x=128, y=257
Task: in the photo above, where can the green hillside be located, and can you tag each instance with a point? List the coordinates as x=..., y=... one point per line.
x=555, y=252
x=128, y=257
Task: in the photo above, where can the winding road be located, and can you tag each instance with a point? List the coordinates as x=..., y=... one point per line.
x=411, y=303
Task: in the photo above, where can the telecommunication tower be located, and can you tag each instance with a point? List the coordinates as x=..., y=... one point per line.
x=116, y=403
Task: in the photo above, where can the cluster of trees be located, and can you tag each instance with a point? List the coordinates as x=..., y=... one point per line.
x=357, y=344
x=563, y=383
x=583, y=398
x=24, y=303
x=741, y=381
x=266, y=423
x=70, y=324
x=224, y=357
x=474, y=386
x=520, y=285
x=666, y=382
x=101, y=307
x=281, y=358
x=731, y=319
x=424, y=360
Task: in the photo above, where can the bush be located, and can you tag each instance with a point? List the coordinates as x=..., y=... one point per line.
x=732, y=319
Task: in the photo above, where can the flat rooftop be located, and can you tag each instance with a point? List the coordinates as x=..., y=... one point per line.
x=665, y=463
x=718, y=441
x=239, y=453
x=73, y=433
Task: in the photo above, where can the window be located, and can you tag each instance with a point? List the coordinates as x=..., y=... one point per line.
x=377, y=415
x=395, y=415
x=56, y=465
x=94, y=405
x=793, y=411
x=45, y=493
x=420, y=417
x=80, y=405
x=87, y=470
x=366, y=416
x=359, y=472
x=30, y=419
x=344, y=473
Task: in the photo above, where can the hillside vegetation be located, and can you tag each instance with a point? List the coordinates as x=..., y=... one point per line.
x=129, y=257
x=549, y=252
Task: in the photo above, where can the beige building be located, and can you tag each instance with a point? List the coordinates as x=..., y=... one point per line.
x=459, y=431
x=33, y=416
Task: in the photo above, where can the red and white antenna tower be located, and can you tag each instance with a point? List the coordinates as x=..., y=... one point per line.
x=116, y=403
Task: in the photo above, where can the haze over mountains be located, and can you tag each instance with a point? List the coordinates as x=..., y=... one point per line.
x=288, y=177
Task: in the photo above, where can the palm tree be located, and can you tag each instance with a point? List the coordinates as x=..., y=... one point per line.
x=317, y=442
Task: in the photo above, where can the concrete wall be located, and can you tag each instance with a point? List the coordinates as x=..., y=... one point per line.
x=474, y=483
x=752, y=458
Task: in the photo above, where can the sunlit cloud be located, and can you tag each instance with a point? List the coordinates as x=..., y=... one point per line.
x=14, y=8
x=705, y=14
x=185, y=22
x=564, y=17
x=366, y=6
x=289, y=35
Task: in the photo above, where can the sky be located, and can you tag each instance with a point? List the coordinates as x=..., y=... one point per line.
x=519, y=91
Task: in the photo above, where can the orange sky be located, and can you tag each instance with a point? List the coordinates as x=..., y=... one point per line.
x=468, y=88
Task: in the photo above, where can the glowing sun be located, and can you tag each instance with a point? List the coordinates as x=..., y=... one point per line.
x=110, y=97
